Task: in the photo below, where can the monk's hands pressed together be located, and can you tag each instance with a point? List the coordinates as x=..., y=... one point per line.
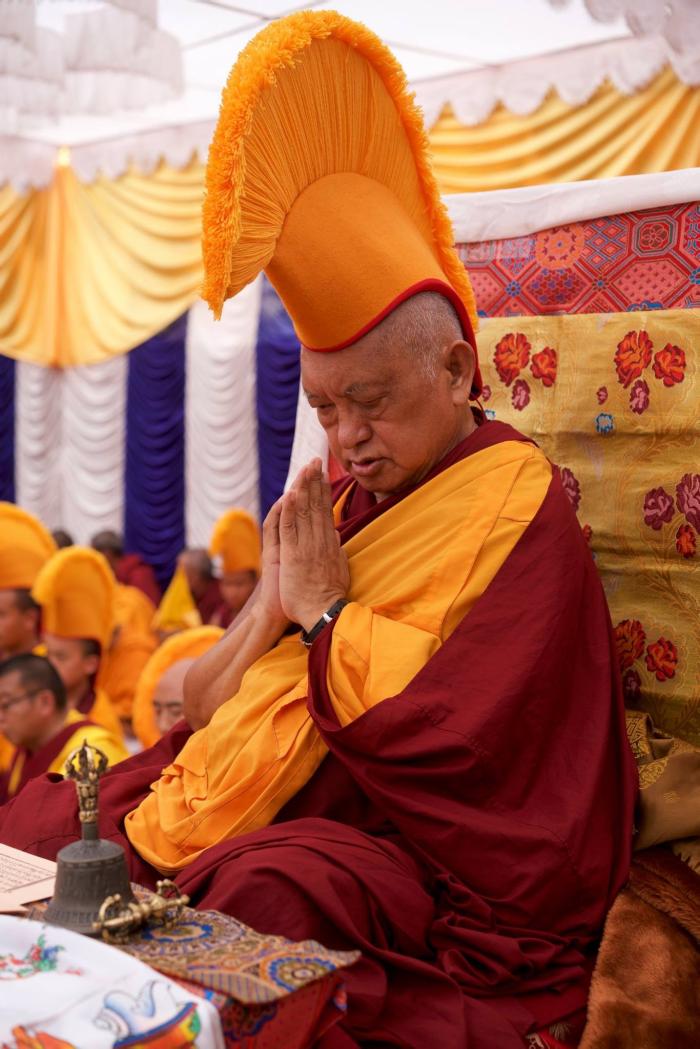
x=314, y=571
x=268, y=602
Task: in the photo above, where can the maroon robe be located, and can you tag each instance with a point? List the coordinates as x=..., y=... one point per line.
x=132, y=570
x=468, y=835
x=37, y=762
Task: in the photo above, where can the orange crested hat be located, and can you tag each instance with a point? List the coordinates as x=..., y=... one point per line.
x=25, y=547
x=236, y=540
x=190, y=644
x=319, y=174
x=76, y=591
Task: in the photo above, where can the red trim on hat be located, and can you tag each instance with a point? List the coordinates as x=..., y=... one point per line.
x=431, y=284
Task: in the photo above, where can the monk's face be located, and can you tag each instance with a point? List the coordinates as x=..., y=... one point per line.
x=387, y=418
x=169, y=695
x=24, y=712
x=236, y=588
x=17, y=625
x=74, y=667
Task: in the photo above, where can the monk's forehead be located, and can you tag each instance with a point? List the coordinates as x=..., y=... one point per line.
x=171, y=682
x=353, y=371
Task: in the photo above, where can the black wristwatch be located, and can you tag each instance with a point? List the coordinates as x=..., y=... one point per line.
x=308, y=637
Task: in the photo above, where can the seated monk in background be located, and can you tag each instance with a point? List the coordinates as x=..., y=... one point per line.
x=132, y=643
x=36, y=718
x=159, y=702
x=25, y=546
x=413, y=740
x=75, y=590
x=129, y=569
x=235, y=543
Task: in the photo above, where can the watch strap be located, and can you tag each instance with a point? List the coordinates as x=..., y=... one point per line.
x=309, y=636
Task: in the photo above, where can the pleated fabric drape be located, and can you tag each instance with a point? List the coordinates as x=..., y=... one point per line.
x=88, y=271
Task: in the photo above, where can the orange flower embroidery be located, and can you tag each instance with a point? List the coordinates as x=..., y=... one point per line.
x=544, y=366
x=669, y=364
x=587, y=533
x=662, y=659
x=685, y=541
x=632, y=356
x=510, y=356
x=629, y=639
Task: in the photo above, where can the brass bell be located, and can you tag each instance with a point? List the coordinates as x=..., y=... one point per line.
x=89, y=870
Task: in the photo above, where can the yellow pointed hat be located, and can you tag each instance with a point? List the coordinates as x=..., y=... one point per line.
x=76, y=590
x=236, y=540
x=190, y=644
x=177, y=609
x=25, y=547
x=319, y=174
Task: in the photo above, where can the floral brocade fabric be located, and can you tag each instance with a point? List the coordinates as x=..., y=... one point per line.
x=614, y=400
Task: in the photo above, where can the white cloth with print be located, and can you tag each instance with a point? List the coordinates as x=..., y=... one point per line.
x=87, y=994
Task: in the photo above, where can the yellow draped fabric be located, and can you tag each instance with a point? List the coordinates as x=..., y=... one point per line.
x=416, y=571
x=90, y=271
x=657, y=129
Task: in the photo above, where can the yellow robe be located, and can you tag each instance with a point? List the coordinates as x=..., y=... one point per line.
x=104, y=714
x=122, y=666
x=6, y=753
x=416, y=571
x=133, y=609
x=97, y=736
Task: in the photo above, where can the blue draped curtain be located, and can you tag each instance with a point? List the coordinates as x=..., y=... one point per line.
x=154, y=497
x=7, y=429
x=277, y=391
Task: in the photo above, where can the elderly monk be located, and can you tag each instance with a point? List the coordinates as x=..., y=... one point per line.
x=235, y=544
x=76, y=591
x=413, y=740
x=35, y=716
x=159, y=702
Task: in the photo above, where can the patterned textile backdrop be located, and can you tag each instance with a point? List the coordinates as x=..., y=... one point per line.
x=613, y=397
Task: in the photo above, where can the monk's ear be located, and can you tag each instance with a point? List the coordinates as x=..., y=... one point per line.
x=460, y=362
x=91, y=664
x=45, y=702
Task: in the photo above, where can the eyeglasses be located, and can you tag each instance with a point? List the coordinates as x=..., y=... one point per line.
x=7, y=704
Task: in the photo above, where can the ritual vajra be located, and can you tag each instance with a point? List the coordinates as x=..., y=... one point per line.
x=414, y=761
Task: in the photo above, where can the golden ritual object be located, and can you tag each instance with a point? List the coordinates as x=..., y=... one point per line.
x=118, y=919
x=89, y=870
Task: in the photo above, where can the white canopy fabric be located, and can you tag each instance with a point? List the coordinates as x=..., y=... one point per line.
x=471, y=53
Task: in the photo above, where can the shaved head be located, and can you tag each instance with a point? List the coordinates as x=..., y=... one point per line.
x=420, y=327
x=396, y=401
x=198, y=561
x=169, y=695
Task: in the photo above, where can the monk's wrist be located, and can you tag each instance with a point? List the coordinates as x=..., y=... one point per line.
x=309, y=615
x=269, y=625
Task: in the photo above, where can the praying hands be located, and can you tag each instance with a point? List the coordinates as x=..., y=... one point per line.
x=313, y=567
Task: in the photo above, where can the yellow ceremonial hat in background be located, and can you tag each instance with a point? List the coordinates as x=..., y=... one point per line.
x=177, y=609
x=190, y=644
x=236, y=540
x=25, y=547
x=76, y=591
x=319, y=174
x=133, y=609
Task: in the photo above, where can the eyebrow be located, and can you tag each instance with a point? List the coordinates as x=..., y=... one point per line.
x=353, y=389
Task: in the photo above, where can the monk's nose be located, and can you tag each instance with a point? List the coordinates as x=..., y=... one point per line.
x=353, y=431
